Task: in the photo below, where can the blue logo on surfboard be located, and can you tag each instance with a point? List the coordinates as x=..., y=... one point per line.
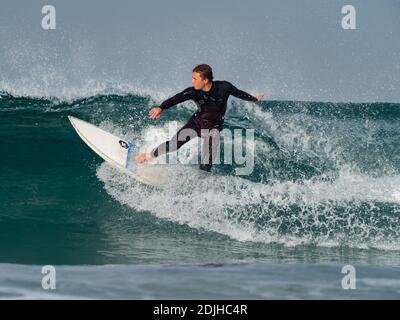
x=130, y=161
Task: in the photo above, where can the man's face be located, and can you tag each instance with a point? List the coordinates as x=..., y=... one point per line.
x=197, y=82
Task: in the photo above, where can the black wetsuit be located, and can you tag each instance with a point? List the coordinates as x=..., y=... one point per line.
x=211, y=108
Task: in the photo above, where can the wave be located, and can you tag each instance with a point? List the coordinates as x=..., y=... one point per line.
x=325, y=174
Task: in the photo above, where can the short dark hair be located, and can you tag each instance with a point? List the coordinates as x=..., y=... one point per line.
x=205, y=71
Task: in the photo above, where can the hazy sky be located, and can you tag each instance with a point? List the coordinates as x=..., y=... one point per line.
x=289, y=49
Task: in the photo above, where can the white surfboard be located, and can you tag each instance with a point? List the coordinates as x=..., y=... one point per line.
x=118, y=152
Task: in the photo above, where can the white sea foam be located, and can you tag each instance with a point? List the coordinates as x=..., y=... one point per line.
x=235, y=206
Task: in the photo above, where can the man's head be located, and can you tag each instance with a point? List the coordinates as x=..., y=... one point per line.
x=202, y=75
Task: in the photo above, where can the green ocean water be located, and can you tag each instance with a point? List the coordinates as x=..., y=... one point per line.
x=325, y=191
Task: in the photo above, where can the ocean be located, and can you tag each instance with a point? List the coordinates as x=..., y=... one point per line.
x=324, y=194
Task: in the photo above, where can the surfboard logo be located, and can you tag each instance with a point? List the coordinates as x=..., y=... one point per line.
x=132, y=150
x=123, y=144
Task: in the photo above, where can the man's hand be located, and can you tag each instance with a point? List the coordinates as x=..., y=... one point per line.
x=259, y=96
x=155, y=112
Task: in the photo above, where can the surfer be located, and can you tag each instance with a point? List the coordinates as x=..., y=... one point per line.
x=211, y=98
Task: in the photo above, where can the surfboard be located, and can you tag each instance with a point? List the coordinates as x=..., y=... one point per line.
x=118, y=152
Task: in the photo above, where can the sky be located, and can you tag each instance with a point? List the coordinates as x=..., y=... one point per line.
x=287, y=49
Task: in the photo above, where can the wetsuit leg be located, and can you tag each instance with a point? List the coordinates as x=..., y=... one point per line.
x=189, y=131
x=211, y=140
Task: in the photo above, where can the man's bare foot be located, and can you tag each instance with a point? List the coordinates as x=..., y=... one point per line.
x=142, y=157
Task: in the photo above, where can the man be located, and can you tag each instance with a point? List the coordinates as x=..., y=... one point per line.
x=211, y=99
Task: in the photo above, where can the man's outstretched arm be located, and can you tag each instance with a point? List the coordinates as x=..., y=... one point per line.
x=244, y=95
x=186, y=94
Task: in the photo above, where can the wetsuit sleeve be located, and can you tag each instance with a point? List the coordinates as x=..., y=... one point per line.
x=185, y=95
x=241, y=94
